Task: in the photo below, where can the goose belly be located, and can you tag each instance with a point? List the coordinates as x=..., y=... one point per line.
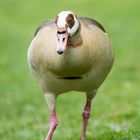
x=56, y=84
x=90, y=80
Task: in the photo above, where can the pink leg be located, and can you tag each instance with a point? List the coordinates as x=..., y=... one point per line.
x=53, y=124
x=86, y=115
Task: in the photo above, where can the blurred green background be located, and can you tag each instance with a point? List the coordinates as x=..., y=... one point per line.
x=116, y=108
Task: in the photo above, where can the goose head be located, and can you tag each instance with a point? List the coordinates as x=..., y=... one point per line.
x=67, y=25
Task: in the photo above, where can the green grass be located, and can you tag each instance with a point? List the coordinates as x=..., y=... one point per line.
x=115, y=111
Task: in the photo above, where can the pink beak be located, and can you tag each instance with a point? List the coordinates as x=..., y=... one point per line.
x=62, y=37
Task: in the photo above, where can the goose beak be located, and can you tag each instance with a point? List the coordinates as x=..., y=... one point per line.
x=62, y=37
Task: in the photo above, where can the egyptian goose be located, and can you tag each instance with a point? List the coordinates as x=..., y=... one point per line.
x=70, y=53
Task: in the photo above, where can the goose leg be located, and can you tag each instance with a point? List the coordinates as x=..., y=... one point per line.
x=53, y=124
x=86, y=115
x=53, y=119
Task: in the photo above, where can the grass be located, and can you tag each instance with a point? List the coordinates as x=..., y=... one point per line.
x=115, y=110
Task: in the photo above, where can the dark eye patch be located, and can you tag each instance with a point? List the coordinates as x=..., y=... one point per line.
x=70, y=20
